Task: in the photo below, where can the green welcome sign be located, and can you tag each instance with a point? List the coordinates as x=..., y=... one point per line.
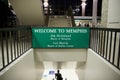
x=60, y=37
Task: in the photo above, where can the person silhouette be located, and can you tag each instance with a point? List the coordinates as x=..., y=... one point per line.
x=58, y=75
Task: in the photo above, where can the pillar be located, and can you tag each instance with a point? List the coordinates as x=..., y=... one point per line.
x=94, y=13
x=83, y=7
x=110, y=14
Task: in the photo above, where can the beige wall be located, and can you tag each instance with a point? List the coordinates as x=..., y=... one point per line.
x=104, y=15
x=61, y=54
x=114, y=14
x=23, y=69
x=110, y=14
x=29, y=12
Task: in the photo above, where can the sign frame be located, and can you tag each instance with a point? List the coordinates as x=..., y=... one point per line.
x=60, y=37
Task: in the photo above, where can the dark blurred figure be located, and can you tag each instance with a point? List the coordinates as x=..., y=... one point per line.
x=87, y=25
x=58, y=75
x=3, y=14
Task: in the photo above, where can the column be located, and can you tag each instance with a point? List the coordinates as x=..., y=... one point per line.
x=94, y=13
x=110, y=14
x=45, y=3
x=83, y=7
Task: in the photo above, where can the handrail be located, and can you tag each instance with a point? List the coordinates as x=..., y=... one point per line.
x=107, y=29
x=15, y=28
x=106, y=43
x=14, y=42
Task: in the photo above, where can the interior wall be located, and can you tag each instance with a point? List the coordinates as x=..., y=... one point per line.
x=97, y=68
x=114, y=14
x=110, y=14
x=104, y=15
x=61, y=54
x=29, y=12
x=23, y=69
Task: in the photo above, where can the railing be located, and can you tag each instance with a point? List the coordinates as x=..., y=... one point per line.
x=106, y=43
x=14, y=42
